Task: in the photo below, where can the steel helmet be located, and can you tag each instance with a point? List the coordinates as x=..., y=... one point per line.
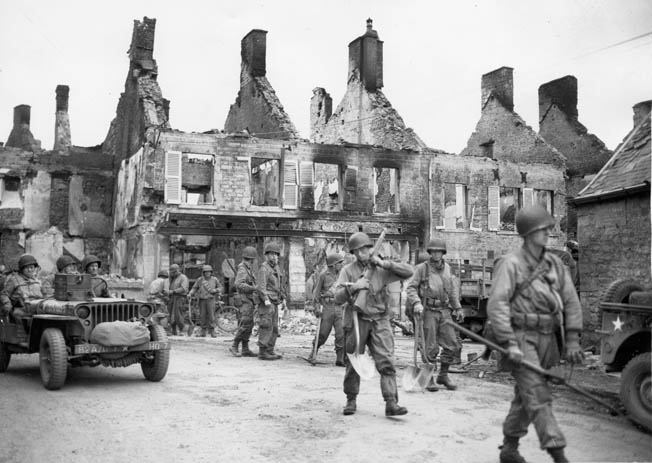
x=206, y=268
x=163, y=274
x=334, y=258
x=90, y=259
x=63, y=262
x=272, y=247
x=533, y=218
x=359, y=240
x=25, y=260
x=436, y=244
x=249, y=253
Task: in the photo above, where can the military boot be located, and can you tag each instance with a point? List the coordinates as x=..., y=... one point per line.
x=431, y=387
x=557, y=455
x=392, y=408
x=443, y=379
x=350, y=407
x=234, y=348
x=264, y=355
x=509, y=451
x=245, y=350
x=203, y=332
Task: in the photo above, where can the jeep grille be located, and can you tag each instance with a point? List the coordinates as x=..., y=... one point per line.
x=113, y=312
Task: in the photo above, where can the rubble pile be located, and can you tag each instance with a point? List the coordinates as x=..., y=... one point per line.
x=305, y=324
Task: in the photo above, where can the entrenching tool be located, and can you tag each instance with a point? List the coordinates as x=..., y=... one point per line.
x=313, y=358
x=417, y=379
x=536, y=368
x=361, y=363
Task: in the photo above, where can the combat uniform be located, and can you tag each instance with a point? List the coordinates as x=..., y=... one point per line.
x=245, y=284
x=376, y=331
x=528, y=314
x=331, y=316
x=19, y=288
x=269, y=288
x=178, y=290
x=206, y=290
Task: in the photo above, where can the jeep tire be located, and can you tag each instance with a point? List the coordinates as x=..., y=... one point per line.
x=618, y=291
x=53, y=359
x=5, y=357
x=636, y=390
x=156, y=368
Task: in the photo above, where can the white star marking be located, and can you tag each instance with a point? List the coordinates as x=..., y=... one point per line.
x=618, y=325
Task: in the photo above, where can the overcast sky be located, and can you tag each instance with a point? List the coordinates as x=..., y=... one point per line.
x=434, y=55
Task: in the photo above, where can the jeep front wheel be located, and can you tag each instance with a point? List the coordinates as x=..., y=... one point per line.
x=636, y=390
x=53, y=359
x=5, y=357
x=156, y=366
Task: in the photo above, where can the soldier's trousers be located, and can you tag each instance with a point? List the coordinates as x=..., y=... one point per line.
x=246, y=322
x=532, y=403
x=378, y=337
x=331, y=318
x=267, y=326
x=439, y=334
x=207, y=313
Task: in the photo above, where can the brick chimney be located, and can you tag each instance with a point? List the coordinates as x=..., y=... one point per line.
x=366, y=55
x=62, y=140
x=561, y=93
x=142, y=40
x=253, y=49
x=21, y=136
x=642, y=111
x=500, y=83
x=321, y=109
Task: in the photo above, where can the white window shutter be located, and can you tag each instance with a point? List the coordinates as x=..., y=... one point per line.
x=528, y=197
x=306, y=175
x=494, y=208
x=290, y=185
x=173, y=177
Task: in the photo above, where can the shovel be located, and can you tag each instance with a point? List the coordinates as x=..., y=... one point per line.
x=361, y=363
x=417, y=379
x=313, y=358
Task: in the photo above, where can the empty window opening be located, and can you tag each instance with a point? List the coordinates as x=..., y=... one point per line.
x=197, y=178
x=265, y=182
x=327, y=187
x=385, y=190
x=454, y=206
x=509, y=204
x=488, y=149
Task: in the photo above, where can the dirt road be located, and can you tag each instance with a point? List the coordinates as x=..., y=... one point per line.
x=212, y=407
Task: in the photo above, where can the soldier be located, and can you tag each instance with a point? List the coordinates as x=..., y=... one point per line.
x=330, y=312
x=433, y=294
x=91, y=264
x=533, y=298
x=66, y=264
x=247, y=300
x=376, y=331
x=159, y=294
x=207, y=288
x=269, y=287
x=19, y=287
x=178, y=290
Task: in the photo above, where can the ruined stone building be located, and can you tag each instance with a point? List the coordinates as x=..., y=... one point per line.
x=151, y=195
x=613, y=218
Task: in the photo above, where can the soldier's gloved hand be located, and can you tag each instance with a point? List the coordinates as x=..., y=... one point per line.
x=417, y=308
x=574, y=352
x=317, y=312
x=514, y=353
x=362, y=283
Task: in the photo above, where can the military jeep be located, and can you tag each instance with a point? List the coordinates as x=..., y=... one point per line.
x=60, y=331
x=626, y=311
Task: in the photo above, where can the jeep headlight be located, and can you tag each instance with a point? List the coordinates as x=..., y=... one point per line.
x=145, y=310
x=82, y=312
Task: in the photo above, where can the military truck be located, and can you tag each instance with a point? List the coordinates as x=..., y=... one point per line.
x=474, y=285
x=59, y=329
x=626, y=312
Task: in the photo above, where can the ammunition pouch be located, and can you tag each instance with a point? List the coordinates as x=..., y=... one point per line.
x=432, y=303
x=542, y=323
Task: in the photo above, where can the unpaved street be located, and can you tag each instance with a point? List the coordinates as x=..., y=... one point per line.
x=213, y=407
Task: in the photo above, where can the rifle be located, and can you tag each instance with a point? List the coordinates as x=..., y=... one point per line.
x=361, y=298
x=535, y=368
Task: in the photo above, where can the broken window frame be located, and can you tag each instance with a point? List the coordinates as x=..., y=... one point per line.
x=396, y=186
x=507, y=225
x=327, y=185
x=275, y=162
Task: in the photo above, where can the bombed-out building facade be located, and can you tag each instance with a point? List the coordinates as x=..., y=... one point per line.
x=150, y=195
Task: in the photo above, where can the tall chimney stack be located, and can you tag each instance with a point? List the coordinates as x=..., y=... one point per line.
x=62, y=139
x=20, y=136
x=561, y=93
x=253, y=49
x=366, y=55
x=500, y=83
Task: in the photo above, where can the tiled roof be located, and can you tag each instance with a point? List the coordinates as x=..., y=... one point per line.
x=628, y=168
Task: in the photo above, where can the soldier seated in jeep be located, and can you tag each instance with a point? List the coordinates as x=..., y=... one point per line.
x=20, y=287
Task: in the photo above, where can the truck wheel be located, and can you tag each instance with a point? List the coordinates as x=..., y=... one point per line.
x=5, y=357
x=156, y=368
x=636, y=390
x=53, y=359
x=619, y=291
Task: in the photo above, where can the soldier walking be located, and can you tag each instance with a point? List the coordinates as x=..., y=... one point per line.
x=433, y=294
x=91, y=264
x=269, y=287
x=159, y=294
x=207, y=288
x=376, y=332
x=247, y=299
x=178, y=289
x=330, y=312
x=532, y=300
